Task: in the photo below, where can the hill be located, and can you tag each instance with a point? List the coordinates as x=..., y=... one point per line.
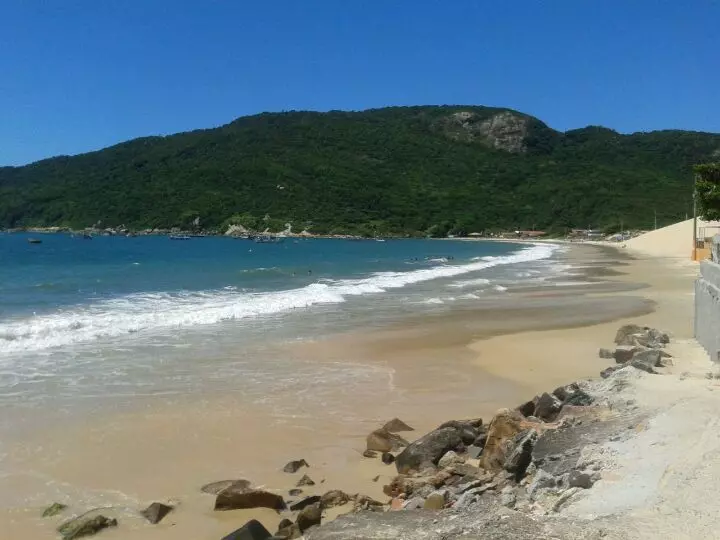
x=416, y=170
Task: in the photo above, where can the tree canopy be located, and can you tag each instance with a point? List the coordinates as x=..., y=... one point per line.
x=397, y=170
x=707, y=185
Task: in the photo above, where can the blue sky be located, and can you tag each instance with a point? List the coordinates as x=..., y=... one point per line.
x=78, y=75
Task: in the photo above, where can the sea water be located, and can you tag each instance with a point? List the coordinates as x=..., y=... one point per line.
x=83, y=321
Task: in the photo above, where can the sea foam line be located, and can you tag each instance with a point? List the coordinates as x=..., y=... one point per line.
x=164, y=310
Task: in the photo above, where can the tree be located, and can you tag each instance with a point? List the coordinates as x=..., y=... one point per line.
x=707, y=189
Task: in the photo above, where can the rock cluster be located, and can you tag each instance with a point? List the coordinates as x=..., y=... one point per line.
x=638, y=346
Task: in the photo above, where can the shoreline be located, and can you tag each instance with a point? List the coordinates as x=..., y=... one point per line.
x=421, y=357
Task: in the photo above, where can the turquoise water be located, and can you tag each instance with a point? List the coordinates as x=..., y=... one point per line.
x=133, y=316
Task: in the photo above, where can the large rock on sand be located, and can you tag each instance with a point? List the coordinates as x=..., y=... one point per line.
x=381, y=440
x=85, y=526
x=234, y=498
x=156, y=512
x=548, y=407
x=214, y=488
x=252, y=530
x=427, y=450
x=504, y=426
x=396, y=426
x=309, y=517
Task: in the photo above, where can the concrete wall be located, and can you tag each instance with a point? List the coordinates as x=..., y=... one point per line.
x=707, y=303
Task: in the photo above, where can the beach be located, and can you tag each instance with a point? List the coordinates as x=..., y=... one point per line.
x=462, y=363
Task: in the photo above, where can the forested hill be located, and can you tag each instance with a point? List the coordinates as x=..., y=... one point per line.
x=419, y=170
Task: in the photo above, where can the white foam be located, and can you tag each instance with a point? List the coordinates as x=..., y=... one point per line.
x=161, y=311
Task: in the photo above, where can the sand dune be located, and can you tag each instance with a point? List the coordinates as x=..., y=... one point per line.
x=673, y=241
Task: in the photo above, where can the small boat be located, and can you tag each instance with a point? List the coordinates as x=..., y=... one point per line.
x=34, y=241
x=179, y=237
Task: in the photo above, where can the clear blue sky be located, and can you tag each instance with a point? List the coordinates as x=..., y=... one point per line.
x=78, y=75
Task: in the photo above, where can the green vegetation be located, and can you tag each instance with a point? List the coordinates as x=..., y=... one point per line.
x=399, y=170
x=707, y=185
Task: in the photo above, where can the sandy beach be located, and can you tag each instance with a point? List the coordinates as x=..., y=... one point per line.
x=464, y=364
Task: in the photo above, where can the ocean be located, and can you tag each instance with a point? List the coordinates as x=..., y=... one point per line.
x=117, y=316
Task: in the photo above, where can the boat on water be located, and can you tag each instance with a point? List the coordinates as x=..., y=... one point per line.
x=179, y=237
x=34, y=241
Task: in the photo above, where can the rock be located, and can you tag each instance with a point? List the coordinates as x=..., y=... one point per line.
x=564, y=392
x=624, y=335
x=467, y=470
x=579, y=399
x=305, y=481
x=156, y=512
x=85, y=526
x=284, y=523
x=334, y=498
x=541, y=480
x=382, y=440
x=644, y=363
x=54, y=509
x=508, y=497
x=527, y=408
x=607, y=354
x=416, y=503
x=376, y=478
x=467, y=430
x=473, y=452
x=579, y=479
x=519, y=453
x=216, y=487
x=233, y=498
x=295, y=492
x=396, y=504
x=651, y=357
x=449, y=458
x=370, y=454
x=548, y=406
x=396, y=426
x=363, y=502
x=624, y=353
x=294, y=466
x=252, y=530
x=291, y=532
x=436, y=501
x=303, y=503
x=605, y=373
x=387, y=458
x=309, y=517
x=427, y=450
x=504, y=426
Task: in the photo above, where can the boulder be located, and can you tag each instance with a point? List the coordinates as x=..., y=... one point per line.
x=285, y=522
x=449, y=458
x=436, y=501
x=468, y=430
x=305, y=481
x=302, y=503
x=85, y=526
x=370, y=454
x=473, y=452
x=216, y=487
x=519, y=453
x=156, y=512
x=580, y=398
x=382, y=440
x=396, y=426
x=650, y=357
x=54, y=509
x=548, y=406
x=294, y=466
x=527, y=408
x=645, y=362
x=295, y=492
x=236, y=499
x=363, y=502
x=480, y=440
x=290, y=532
x=334, y=498
x=309, y=517
x=564, y=392
x=607, y=354
x=605, y=373
x=387, y=458
x=427, y=450
x=504, y=426
x=624, y=353
x=252, y=530
x=624, y=335
x=579, y=479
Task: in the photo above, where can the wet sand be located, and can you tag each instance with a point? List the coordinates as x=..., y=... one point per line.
x=427, y=370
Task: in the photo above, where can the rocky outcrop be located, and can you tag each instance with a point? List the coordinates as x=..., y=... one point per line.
x=427, y=451
x=504, y=130
x=504, y=427
x=156, y=512
x=382, y=440
x=85, y=526
x=236, y=498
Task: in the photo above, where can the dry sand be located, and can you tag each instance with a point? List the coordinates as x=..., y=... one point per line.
x=439, y=368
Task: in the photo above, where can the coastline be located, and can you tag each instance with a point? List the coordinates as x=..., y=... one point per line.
x=480, y=378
